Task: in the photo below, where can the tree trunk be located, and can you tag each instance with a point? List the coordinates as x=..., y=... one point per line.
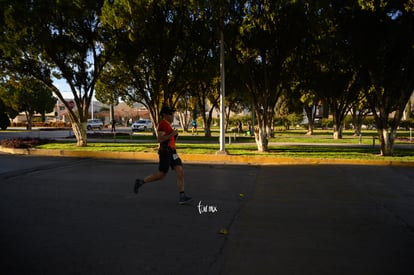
x=357, y=117
x=337, y=132
x=387, y=141
x=261, y=139
x=310, y=114
x=182, y=117
x=29, y=119
x=43, y=117
x=207, y=127
x=269, y=131
x=207, y=122
x=79, y=129
x=207, y=132
x=338, y=124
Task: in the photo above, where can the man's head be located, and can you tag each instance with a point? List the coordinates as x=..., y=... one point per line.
x=167, y=113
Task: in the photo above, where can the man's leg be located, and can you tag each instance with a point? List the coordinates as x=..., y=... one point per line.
x=180, y=177
x=183, y=199
x=154, y=177
x=163, y=167
x=162, y=171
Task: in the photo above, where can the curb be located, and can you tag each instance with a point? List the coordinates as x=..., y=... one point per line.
x=205, y=159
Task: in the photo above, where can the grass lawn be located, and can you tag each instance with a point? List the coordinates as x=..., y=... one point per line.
x=320, y=145
x=297, y=136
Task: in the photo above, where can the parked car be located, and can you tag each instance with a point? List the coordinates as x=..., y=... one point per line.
x=94, y=124
x=141, y=125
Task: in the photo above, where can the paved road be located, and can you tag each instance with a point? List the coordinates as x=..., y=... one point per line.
x=80, y=216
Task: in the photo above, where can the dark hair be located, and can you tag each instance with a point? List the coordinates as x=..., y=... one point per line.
x=167, y=110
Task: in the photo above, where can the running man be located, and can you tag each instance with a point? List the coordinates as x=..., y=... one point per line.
x=166, y=137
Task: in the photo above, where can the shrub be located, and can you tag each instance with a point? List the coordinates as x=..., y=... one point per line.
x=407, y=124
x=370, y=122
x=327, y=123
x=23, y=142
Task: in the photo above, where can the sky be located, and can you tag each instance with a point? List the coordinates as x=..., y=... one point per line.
x=63, y=88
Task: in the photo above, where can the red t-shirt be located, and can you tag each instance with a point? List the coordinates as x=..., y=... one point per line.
x=165, y=127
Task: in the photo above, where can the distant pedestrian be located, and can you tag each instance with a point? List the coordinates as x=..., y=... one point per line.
x=194, y=127
x=168, y=157
x=249, y=129
x=113, y=122
x=239, y=127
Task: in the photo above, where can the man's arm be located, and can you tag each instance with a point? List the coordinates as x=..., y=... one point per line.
x=161, y=136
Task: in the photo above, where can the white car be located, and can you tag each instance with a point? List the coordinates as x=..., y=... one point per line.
x=94, y=124
x=141, y=125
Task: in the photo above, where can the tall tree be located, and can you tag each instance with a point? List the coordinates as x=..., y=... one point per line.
x=204, y=68
x=359, y=110
x=109, y=88
x=30, y=96
x=206, y=93
x=337, y=88
x=268, y=34
x=301, y=81
x=154, y=47
x=334, y=72
x=57, y=39
x=383, y=42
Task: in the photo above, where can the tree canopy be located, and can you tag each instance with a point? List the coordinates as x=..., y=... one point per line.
x=51, y=40
x=28, y=95
x=162, y=52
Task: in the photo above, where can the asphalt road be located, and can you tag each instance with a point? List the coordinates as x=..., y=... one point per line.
x=80, y=216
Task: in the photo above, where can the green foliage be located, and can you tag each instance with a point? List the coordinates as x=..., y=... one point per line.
x=154, y=52
x=266, y=39
x=245, y=120
x=327, y=123
x=4, y=119
x=56, y=39
x=369, y=122
x=28, y=95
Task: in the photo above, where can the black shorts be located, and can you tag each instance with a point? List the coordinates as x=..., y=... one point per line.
x=168, y=158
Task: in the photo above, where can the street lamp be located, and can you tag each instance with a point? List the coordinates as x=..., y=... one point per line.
x=222, y=95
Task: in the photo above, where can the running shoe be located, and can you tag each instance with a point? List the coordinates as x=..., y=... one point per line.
x=185, y=200
x=138, y=184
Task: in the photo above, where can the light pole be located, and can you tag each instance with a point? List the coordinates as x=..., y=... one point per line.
x=222, y=95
